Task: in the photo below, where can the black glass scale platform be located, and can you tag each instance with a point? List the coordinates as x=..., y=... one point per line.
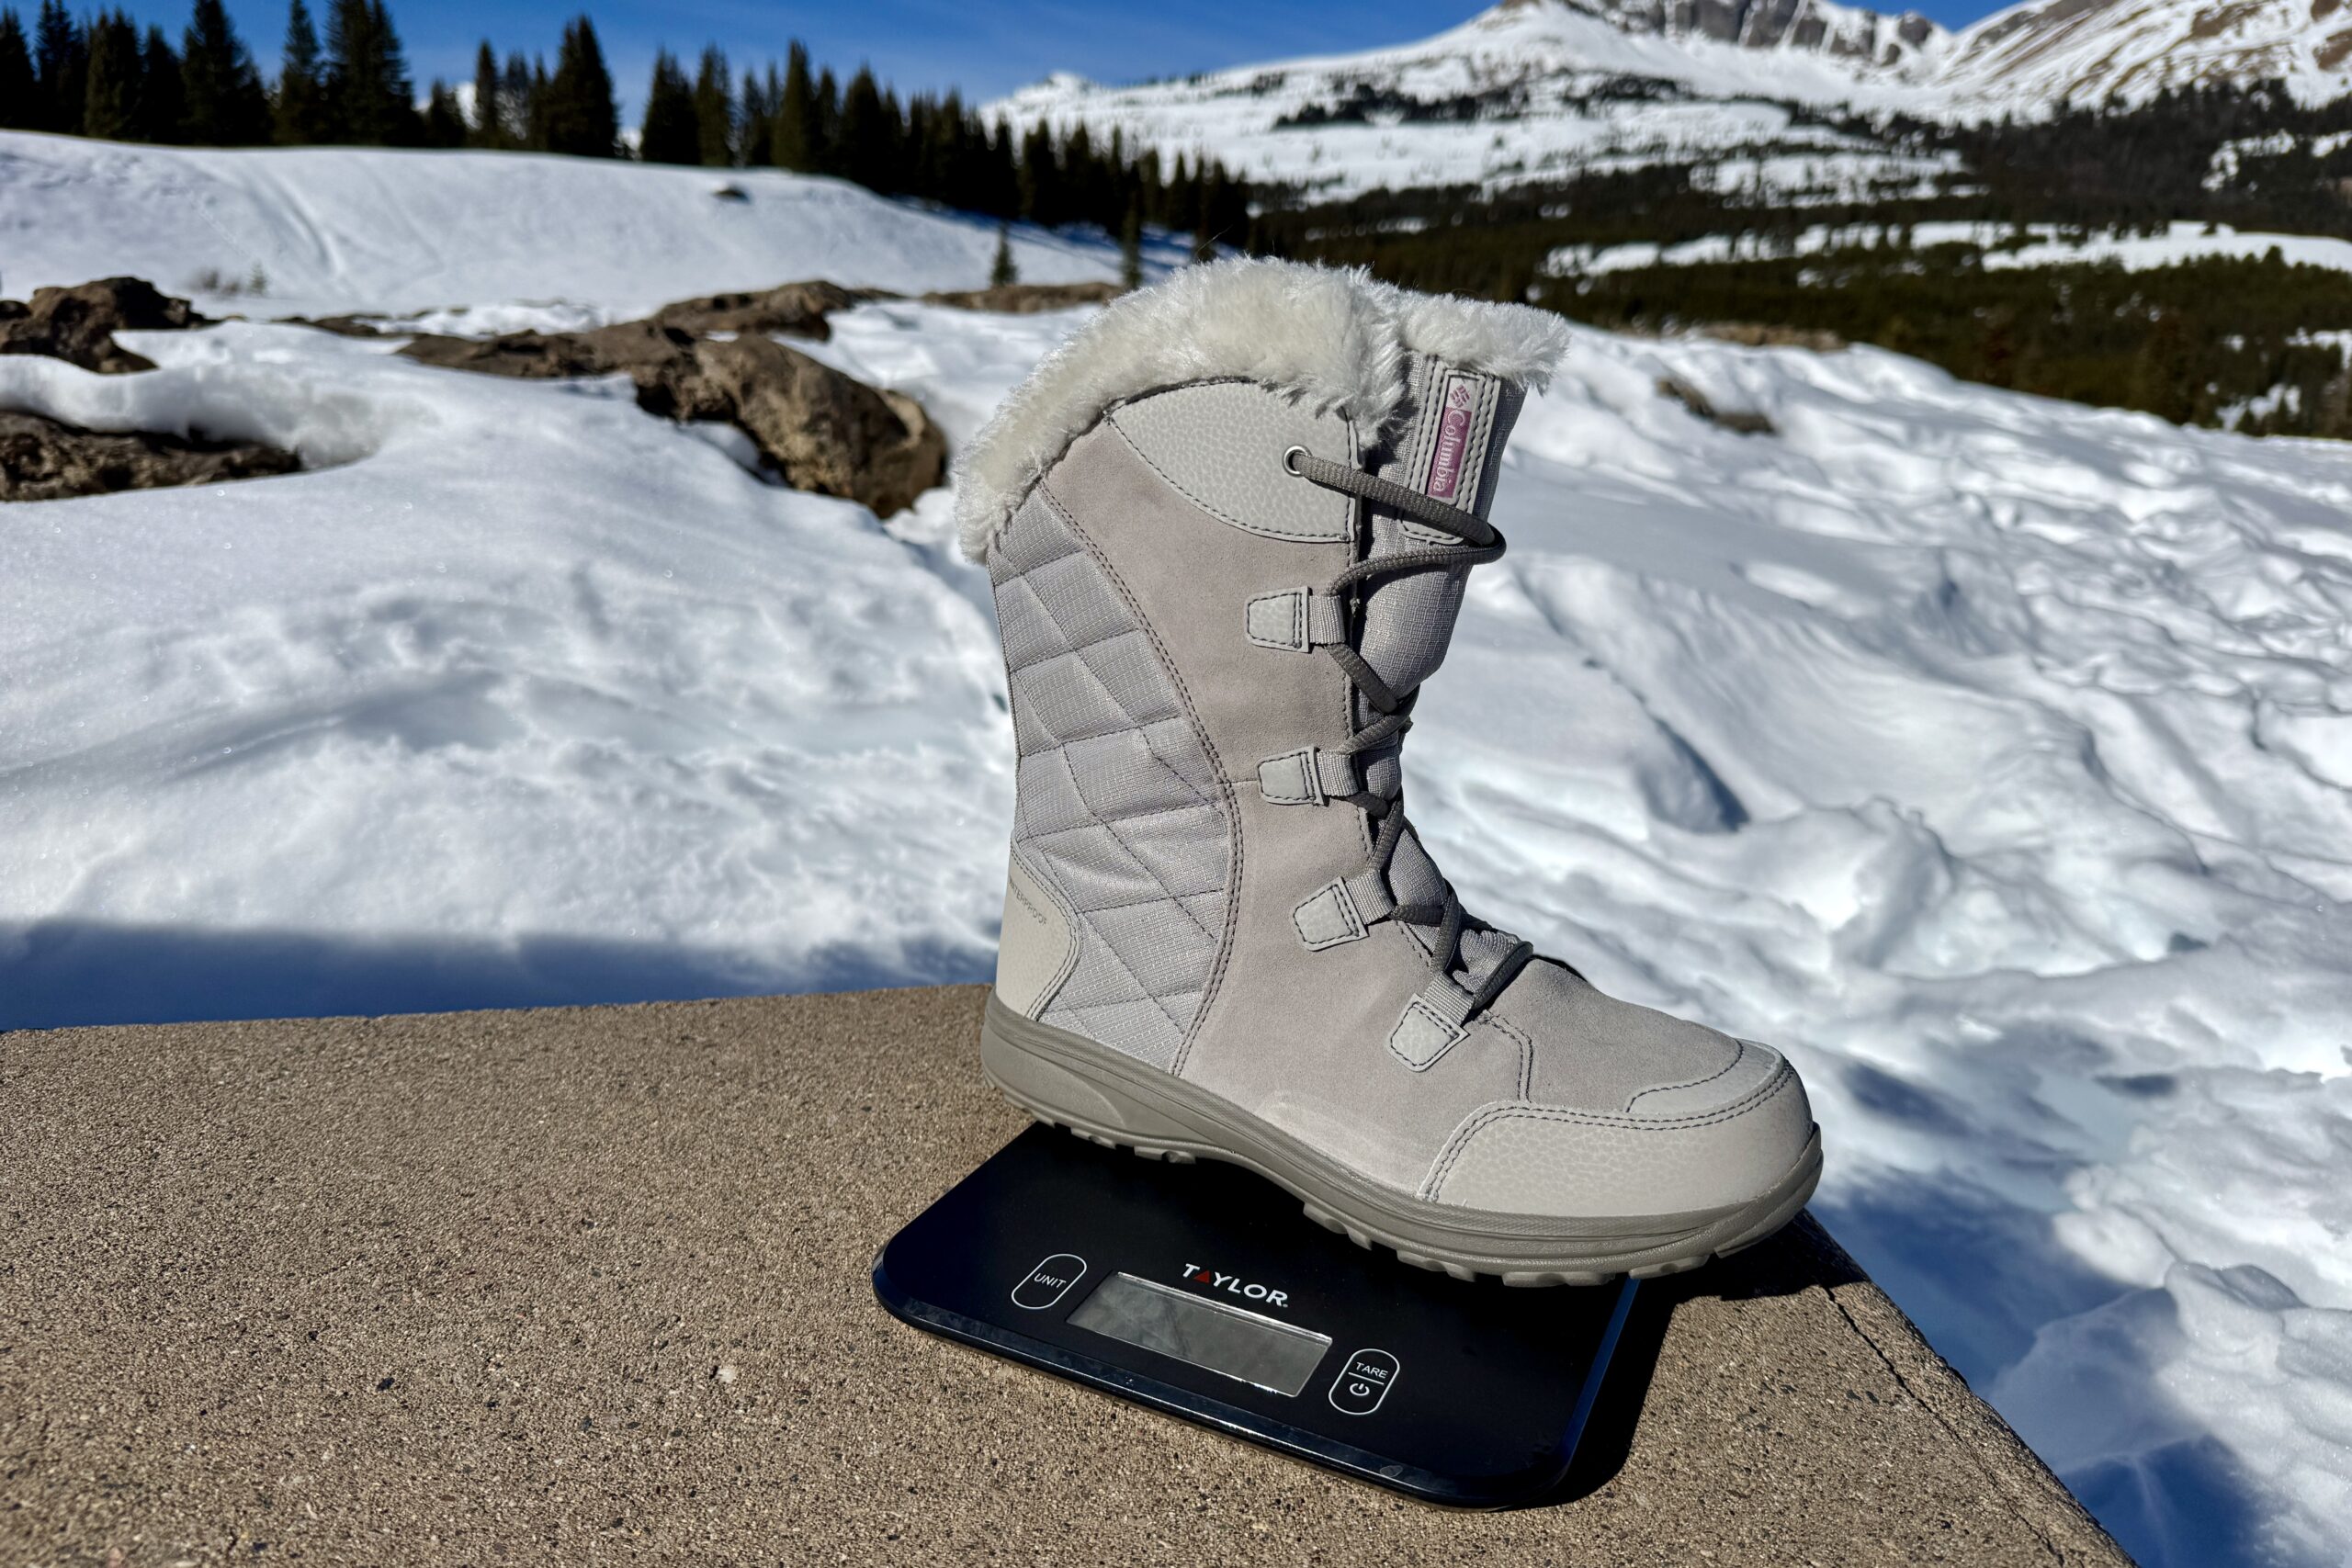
x=1201, y=1289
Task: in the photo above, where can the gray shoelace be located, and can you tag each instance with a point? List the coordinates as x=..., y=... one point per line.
x=1481, y=543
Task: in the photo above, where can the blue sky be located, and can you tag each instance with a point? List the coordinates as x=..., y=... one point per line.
x=986, y=48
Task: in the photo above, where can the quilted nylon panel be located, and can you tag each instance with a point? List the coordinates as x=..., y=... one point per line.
x=1117, y=803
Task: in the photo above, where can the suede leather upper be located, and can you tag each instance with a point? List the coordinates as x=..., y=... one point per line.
x=1557, y=1099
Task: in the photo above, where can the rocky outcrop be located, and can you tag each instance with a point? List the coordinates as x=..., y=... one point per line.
x=1739, y=421
x=630, y=346
x=823, y=431
x=341, y=326
x=45, y=459
x=816, y=429
x=1027, y=299
x=79, y=323
x=716, y=359
x=796, y=309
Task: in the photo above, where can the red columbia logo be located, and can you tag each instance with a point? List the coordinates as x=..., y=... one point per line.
x=1452, y=435
x=1233, y=1286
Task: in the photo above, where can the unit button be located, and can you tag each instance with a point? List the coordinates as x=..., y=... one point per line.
x=1046, y=1281
x=1363, y=1382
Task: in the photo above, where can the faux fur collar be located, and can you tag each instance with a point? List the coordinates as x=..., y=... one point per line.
x=1333, y=339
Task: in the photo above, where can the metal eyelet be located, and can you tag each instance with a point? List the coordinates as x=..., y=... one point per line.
x=1288, y=466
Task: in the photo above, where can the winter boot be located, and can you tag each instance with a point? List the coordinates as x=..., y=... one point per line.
x=1228, y=527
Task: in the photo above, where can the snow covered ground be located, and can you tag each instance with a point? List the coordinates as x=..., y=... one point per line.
x=335, y=228
x=1992, y=755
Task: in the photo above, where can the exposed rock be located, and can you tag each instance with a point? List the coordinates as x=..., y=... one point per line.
x=823, y=431
x=341, y=326
x=797, y=308
x=79, y=323
x=1027, y=299
x=1740, y=422
x=45, y=459
x=1767, y=335
x=549, y=356
x=819, y=430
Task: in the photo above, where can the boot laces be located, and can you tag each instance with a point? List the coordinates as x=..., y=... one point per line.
x=1481, y=542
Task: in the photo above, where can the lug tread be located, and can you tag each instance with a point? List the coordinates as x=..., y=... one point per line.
x=1766, y=1226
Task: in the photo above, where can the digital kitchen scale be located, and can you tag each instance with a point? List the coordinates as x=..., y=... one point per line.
x=1200, y=1290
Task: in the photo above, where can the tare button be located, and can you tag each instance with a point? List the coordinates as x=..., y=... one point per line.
x=1363, y=1382
x=1047, y=1282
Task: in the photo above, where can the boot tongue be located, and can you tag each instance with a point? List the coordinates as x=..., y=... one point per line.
x=1448, y=445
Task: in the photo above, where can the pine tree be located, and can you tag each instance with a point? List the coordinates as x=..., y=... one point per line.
x=714, y=107
x=521, y=109
x=580, y=117
x=369, y=98
x=110, y=84
x=1081, y=195
x=890, y=161
x=445, y=122
x=1150, y=196
x=910, y=169
x=797, y=138
x=1001, y=272
x=62, y=57
x=864, y=141
x=938, y=153
x=756, y=113
x=1004, y=171
x=159, y=113
x=825, y=109
x=2164, y=377
x=537, y=94
x=669, y=134
x=298, y=108
x=19, y=87
x=1180, y=197
x=1040, y=178
x=485, y=128
x=1131, y=248
x=226, y=105
x=1224, y=212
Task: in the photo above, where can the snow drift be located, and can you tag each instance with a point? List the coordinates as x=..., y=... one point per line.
x=329, y=230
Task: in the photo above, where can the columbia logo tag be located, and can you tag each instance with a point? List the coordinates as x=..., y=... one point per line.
x=1452, y=438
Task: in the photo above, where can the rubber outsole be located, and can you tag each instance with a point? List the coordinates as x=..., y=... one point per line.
x=1114, y=1100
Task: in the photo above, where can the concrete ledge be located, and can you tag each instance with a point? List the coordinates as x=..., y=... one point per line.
x=578, y=1285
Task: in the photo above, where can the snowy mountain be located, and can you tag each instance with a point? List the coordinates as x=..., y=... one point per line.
x=1540, y=88
x=2043, y=50
x=1864, y=37
x=1535, y=89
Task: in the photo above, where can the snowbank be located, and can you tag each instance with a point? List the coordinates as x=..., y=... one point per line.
x=331, y=229
x=531, y=665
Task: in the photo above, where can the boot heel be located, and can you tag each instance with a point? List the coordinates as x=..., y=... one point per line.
x=1054, y=1085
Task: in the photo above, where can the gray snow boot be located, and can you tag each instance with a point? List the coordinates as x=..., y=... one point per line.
x=1228, y=527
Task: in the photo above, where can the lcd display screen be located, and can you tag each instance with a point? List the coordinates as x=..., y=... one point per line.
x=1261, y=1351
